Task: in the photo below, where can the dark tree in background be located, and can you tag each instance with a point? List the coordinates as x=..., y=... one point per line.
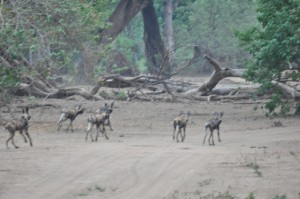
x=156, y=53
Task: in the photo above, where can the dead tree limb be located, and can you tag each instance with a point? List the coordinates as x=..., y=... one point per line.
x=37, y=87
x=221, y=73
x=218, y=74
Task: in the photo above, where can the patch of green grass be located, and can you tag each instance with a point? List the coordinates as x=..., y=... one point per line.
x=121, y=96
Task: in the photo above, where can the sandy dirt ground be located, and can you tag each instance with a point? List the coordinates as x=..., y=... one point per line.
x=141, y=161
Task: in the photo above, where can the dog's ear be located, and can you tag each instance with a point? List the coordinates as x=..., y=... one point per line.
x=27, y=109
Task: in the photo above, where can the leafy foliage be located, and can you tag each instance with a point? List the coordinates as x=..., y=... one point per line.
x=9, y=80
x=47, y=38
x=273, y=45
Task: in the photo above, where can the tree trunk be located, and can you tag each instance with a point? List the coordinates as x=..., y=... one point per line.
x=125, y=11
x=168, y=26
x=156, y=54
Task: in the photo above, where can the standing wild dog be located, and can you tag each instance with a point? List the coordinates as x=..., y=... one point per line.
x=70, y=114
x=19, y=125
x=212, y=124
x=179, y=124
x=107, y=110
x=99, y=119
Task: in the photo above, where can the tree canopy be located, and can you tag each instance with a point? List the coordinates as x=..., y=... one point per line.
x=274, y=46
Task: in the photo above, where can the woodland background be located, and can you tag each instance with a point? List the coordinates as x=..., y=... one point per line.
x=76, y=42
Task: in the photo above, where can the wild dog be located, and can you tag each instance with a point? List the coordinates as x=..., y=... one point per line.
x=107, y=109
x=19, y=125
x=179, y=124
x=70, y=114
x=213, y=124
x=97, y=119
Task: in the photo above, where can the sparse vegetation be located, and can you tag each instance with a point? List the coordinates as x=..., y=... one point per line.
x=280, y=197
x=82, y=194
x=89, y=190
x=215, y=195
x=256, y=168
x=250, y=196
x=225, y=195
x=121, y=96
x=200, y=195
x=100, y=189
x=205, y=182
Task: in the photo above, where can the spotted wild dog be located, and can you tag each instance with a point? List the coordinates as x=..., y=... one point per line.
x=179, y=124
x=19, y=125
x=99, y=120
x=70, y=114
x=213, y=124
x=107, y=109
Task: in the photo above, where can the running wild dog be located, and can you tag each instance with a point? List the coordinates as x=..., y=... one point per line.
x=212, y=124
x=99, y=118
x=179, y=124
x=19, y=125
x=70, y=114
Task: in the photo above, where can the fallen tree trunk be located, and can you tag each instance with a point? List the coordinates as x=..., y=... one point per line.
x=221, y=73
x=37, y=87
x=218, y=74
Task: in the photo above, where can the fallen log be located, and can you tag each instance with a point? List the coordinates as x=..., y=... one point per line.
x=218, y=74
x=37, y=87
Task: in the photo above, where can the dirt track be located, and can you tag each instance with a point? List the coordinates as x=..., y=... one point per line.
x=141, y=161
